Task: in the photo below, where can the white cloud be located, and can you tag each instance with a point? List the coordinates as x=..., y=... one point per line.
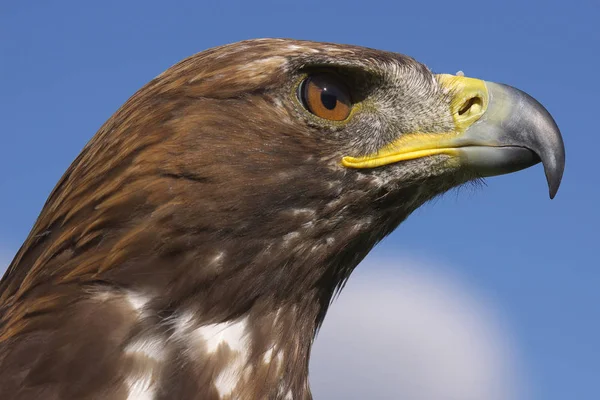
x=413, y=333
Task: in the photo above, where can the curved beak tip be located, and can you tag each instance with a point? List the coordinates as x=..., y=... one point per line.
x=554, y=175
x=525, y=122
x=552, y=153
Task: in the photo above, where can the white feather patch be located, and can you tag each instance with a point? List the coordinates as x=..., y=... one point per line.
x=234, y=336
x=149, y=352
x=142, y=388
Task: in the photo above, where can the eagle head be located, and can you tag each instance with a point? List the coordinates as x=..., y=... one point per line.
x=193, y=247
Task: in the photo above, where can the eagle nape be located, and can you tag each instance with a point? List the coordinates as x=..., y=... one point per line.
x=192, y=249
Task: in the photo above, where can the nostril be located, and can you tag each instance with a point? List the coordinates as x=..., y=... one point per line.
x=472, y=105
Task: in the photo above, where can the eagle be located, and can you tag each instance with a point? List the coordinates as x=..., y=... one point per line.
x=193, y=247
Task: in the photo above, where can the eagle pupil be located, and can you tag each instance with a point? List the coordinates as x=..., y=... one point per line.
x=329, y=100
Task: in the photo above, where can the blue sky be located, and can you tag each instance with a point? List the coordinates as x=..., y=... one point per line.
x=65, y=67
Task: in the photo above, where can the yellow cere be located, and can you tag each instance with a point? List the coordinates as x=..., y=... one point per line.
x=469, y=101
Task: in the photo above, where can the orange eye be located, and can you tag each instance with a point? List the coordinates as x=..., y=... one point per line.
x=325, y=97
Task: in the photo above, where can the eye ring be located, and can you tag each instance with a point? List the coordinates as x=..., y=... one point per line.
x=326, y=97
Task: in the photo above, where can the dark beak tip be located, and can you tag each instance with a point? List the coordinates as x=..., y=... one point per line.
x=553, y=182
x=554, y=174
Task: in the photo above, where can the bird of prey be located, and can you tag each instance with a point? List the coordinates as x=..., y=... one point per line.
x=193, y=247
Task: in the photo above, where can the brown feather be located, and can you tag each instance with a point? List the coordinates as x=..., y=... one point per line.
x=210, y=192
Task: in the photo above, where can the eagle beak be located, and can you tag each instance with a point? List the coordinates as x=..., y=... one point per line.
x=498, y=130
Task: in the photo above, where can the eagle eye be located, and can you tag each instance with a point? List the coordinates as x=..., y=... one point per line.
x=326, y=97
